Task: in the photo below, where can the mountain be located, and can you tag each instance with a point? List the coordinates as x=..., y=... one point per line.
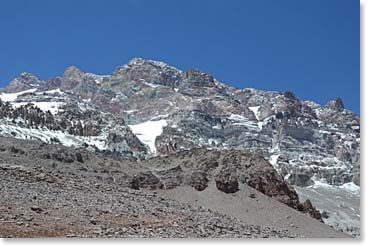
x=147, y=109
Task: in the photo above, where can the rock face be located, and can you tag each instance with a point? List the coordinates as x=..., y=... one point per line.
x=175, y=111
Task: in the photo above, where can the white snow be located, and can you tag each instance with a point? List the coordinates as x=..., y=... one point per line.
x=13, y=96
x=53, y=91
x=255, y=110
x=213, y=141
x=46, y=135
x=273, y=160
x=130, y=111
x=45, y=106
x=237, y=117
x=351, y=187
x=148, y=131
x=97, y=78
x=152, y=85
x=241, y=120
x=318, y=183
x=260, y=124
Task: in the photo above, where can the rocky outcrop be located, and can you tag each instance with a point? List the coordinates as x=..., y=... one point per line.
x=24, y=82
x=228, y=169
x=307, y=207
x=336, y=105
x=195, y=78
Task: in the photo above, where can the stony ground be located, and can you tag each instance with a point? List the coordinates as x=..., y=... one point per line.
x=39, y=203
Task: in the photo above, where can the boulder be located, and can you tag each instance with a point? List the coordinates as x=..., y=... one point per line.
x=227, y=181
x=199, y=181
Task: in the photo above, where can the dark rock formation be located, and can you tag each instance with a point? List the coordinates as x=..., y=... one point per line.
x=199, y=181
x=227, y=182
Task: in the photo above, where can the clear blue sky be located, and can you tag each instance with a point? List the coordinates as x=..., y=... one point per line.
x=308, y=47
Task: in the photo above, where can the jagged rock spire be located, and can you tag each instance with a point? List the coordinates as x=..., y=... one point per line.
x=336, y=104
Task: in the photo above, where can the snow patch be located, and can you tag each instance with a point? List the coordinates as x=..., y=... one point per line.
x=97, y=78
x=148, y=131
x=236, y=117
x=130, y=111
x=351, y=187
x=152, y=85
x=241, y=120
x=49, y=136
x=53, y=91
x=273, y=160
x=255, y=110
x=10, y=97
x=45, y=106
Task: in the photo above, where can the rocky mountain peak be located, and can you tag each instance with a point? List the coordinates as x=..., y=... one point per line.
x=72, y=72
x=72, y=78
x=149, y=71
x=146, y=62
x=289, y=96
x=25, y=81
x=336, y=104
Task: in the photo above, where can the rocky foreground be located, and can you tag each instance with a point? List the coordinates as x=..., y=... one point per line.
x=56, y=191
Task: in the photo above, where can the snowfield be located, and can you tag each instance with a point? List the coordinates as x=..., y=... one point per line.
x=148, y=131
x=9, y=97
x=341, y=203
x=53, y=91
x=51, y=136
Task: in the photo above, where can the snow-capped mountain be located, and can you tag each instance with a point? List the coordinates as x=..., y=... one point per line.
x=148, y=108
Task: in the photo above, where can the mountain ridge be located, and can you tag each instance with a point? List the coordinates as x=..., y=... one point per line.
x=140, y=60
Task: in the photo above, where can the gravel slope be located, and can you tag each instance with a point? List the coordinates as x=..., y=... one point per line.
x=253, y=207
x=39, y=203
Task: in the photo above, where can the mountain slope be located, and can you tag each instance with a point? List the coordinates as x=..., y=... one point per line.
x=76, y=193
x=148, y=108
